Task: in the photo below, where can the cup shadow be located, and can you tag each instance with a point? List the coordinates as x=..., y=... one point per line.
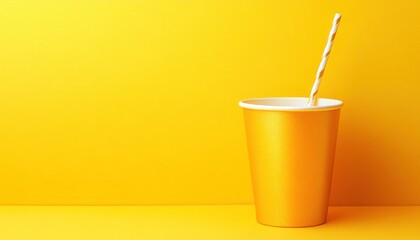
x=363, y=215
x=364, y=169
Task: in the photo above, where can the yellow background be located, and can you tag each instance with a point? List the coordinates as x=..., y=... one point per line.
x=135, y=102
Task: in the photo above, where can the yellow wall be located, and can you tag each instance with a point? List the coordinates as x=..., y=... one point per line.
x=135, y=102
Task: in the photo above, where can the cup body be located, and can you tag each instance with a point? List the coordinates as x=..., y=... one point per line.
x=291, y=151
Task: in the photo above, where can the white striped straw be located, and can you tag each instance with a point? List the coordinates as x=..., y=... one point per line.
x=321, y=68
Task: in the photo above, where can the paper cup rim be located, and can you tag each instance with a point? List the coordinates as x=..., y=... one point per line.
x=279, y=104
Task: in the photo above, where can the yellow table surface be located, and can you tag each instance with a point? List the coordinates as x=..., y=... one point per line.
x=198, y=222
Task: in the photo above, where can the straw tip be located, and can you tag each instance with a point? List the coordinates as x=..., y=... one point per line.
x=338, y=15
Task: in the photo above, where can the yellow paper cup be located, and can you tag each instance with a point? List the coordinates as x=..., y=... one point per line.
x=291, y=151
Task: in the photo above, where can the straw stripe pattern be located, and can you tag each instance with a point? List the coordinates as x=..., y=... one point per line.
x=321, y=68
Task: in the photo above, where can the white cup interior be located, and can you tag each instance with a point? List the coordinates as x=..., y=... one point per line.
x=289, y=104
